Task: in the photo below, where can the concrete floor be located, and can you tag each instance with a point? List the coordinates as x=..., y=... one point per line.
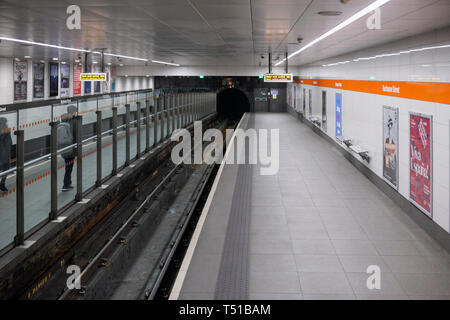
x=315, y=228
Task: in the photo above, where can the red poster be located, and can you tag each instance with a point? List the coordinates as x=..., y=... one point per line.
x=421, y=162
x=76, y=80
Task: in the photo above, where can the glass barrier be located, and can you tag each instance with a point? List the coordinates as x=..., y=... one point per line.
x=35, y=123
x=105, y=106
x=119, y=102
x=93, y=118
x=87, y=110
x=8, y=125
x=132, y=101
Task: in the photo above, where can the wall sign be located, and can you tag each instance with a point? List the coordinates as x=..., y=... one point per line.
x=338, y=115
x=421, y=193
x=93, y=77
x=20, y=80
x=390, y=146
x=38, y=80
x=77, y=80
x=278, y=77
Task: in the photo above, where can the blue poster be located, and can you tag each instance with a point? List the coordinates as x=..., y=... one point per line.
x=87, y=87
x=338, y=114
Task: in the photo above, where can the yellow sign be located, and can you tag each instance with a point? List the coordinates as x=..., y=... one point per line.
x=278, y=77
x=93, y=77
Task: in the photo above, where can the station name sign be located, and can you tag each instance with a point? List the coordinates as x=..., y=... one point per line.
x=278, y=77
x=93, y=77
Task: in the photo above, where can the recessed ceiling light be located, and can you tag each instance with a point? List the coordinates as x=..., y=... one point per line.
x=121, y=64
x=27, y=57
x=109, y=63
x=42, y=61
x=76, y=61
x=330, y=13
x=94, y=62
x=17, y=59
x=126, y=76
x=55, y=59
x=63, y=62
x=148, y=76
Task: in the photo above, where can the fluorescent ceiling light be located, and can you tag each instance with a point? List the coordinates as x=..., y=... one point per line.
x=121, y=56
x=42, y=44
x=358, y=15
x=168, y=63
x=68, y=48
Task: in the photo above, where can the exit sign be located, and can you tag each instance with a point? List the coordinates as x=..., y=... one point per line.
x=201, y=77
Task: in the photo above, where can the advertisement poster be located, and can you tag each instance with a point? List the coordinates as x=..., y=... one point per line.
x=97, y=86
x=390, y=145
x=304, y=101
x=421, y=161
x=20, y=80
x=87, y=87
x=76, y=80
x=338, y=114
x=310, y=103
x=65, y=80
x=324, y=111
x=54, y=79
x=38, y=80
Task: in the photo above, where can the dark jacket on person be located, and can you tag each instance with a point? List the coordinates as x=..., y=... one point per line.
x=5, y=147
x=72, y=120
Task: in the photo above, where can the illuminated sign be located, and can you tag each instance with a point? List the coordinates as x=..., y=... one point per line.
x=93, y=77
x=278, y=77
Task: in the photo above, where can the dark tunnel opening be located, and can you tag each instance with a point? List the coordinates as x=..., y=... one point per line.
x=232, y=103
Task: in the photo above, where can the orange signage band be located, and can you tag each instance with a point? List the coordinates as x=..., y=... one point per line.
x=424, y=91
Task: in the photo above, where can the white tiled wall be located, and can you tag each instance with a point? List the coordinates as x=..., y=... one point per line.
x=362, y=112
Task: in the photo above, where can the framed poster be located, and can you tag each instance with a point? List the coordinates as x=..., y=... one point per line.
x=304, y=102
x=324, y=110
x=97, y=86
x=338, y=115
x=421, y=161
x=38, y=80
x=87, y=87
x=54, y=79
x=310, y=103
x=76, y=80
x=65, y=80
x=20, y=80
x=390, y=146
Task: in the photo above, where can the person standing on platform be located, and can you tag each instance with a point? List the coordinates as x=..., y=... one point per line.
x=5, y=151
x=67, y=136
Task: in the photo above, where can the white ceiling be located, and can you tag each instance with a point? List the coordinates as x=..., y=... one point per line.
x=209, y=32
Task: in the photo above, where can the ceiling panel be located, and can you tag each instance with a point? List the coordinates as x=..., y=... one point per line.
x=220, y=32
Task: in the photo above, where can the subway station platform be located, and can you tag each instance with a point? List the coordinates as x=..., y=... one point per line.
x=309, y=232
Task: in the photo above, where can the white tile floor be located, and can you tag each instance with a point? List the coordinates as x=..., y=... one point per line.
x=315, y=228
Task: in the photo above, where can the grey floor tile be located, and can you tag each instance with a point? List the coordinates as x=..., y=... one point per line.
x=324, y=283
x=268, y=211
x=196, y=296
x=361, y=263
x=389, y=284
x=274, y=282
x=329, y=297
x=313, y=247
x=272, y=263
x=276, y=296
x=424, y=284
x=270, y=243
x=346, y=232
x=381, y=297
x=318, y=263
x=415, y=264
x=396, y=247
x=354, y=247
x=311, y=230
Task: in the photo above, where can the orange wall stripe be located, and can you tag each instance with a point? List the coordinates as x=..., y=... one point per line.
x=424, y=91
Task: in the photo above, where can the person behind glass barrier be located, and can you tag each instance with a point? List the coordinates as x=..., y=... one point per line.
x=5, y=151
x=67, y=136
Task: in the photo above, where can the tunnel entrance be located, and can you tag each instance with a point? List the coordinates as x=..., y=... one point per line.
x=232, y=103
